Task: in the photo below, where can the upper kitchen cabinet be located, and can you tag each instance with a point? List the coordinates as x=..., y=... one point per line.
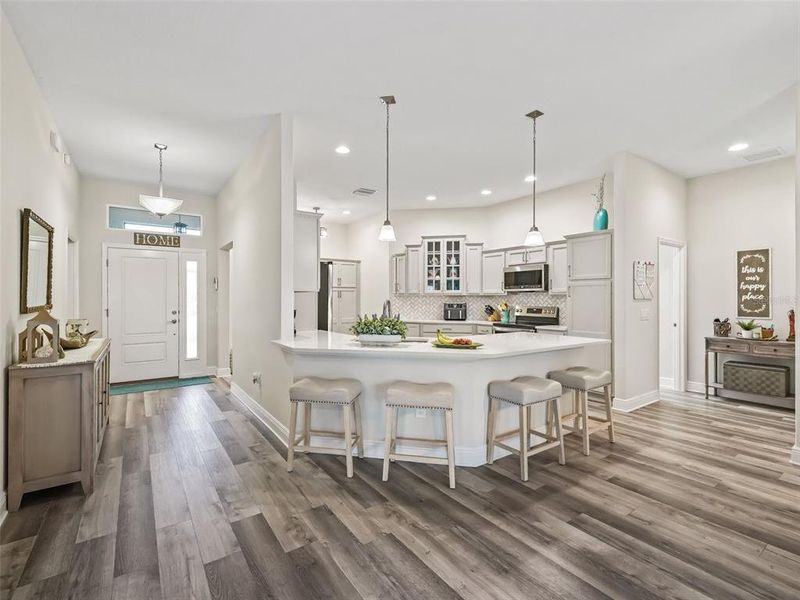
x=557, y=261
x=492, y=272
x=414, y=269
x=474, y=268
x=398, y=273
x=589, y=255
x=306, y=251
x=444, y=265
x=525, y=256
x=344, y=275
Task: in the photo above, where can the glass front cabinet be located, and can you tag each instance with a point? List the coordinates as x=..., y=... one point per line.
x=444, y=265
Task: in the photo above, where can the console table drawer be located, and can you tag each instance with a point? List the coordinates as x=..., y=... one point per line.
x=767, y=349
x=728, y=346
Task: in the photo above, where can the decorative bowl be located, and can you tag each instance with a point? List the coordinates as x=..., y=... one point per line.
x=371, y=339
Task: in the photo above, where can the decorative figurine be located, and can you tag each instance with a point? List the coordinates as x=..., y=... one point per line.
x=722, y=328
x=791, y=326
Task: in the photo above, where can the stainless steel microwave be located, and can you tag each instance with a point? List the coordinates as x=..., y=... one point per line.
x=525, y=278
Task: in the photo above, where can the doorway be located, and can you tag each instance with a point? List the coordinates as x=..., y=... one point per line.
x=672, y=315
x=73, y=305
x=155, y=312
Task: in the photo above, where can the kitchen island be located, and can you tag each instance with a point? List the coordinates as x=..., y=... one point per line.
x=331, y=355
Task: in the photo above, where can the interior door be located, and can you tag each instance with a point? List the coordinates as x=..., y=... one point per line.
x=143, y=322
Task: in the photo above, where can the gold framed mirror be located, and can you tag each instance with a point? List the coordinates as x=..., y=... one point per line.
x=36, y=286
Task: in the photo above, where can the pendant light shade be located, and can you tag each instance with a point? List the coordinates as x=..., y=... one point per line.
x=159, y=205
x=387, y=231
x=534, y=236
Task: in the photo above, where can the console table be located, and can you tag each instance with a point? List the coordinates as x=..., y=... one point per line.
x=57, y=413
x=755, y=349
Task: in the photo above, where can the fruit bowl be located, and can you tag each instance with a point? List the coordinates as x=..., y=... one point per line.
x=443, y=341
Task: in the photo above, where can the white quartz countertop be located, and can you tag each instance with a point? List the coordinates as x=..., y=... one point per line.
x=443, y=322
x=325, y=343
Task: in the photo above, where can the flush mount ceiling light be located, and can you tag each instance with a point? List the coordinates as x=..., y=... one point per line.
x=430, y=198
x=530, y=178
x=387, y=231
x=323, y=231
x=342, y=149
x=738, y=147
x=486, y=192
x=345, y=212
x=534, y=236
x=159, y=205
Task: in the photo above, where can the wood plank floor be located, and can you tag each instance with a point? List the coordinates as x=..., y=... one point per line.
x=697, y=499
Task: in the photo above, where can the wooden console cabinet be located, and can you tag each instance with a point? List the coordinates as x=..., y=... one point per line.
x=57, y=413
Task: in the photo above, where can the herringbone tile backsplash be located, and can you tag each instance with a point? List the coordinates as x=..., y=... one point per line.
x=422, y=306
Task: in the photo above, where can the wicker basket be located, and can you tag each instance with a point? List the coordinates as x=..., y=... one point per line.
x=769, y=380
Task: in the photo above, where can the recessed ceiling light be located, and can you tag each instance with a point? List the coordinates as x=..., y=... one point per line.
x=738, y=147
x=485, y=192
x=345, y=212
x=430, y=198
x=530, y=178
x=342, y=150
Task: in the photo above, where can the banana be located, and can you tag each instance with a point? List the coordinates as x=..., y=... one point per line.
x=442, y=338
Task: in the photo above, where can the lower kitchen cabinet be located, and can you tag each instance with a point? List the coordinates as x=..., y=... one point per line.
x=413, y=330
x=344, y=309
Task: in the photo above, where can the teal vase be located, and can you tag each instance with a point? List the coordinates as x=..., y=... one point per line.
x=601, y=220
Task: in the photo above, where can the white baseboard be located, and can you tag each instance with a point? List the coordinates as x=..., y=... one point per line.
x=3, y=508
x=666, y=382
x=631, y=404
x=794, y=457
x=466, y=456
x=695, y=386
x=224, y=372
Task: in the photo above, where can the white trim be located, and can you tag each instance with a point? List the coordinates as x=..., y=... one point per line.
x=680, y=377
x=3, y=508
x=138, y=206
x=193, y=367
x=631, y=404
x=223, y=372
x=794, y=457
x=666, y=382
x=259, y=412
x=695, y=386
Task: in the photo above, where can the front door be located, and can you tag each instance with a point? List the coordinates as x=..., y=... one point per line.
x=143, y=305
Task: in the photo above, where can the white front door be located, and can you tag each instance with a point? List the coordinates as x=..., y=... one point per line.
x=143, y=321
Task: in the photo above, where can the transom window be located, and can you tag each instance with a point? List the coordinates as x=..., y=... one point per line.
x=137, y=219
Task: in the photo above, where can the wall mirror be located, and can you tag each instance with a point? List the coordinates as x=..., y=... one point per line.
x=36, y=289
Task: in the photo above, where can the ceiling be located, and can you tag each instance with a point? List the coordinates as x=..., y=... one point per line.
x=674, y=82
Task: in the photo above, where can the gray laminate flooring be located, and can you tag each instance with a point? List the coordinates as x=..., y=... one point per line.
x=697, y=499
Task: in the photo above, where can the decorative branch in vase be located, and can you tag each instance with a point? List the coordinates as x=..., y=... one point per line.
x=601, y=214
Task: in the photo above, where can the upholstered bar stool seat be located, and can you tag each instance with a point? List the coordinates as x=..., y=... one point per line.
x=525, y=392
x=581, y=380
x=316, y=390
x=430, y=396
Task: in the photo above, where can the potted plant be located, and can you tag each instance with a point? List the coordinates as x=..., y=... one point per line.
x=747, y=328
x=379, y=330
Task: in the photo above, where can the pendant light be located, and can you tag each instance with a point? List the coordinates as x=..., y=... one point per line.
x=159, y=205
x=179, y=226
x=323, y=231
x=387, y=231
x=534, y=236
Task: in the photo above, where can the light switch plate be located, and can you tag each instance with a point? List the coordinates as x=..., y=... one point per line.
x=644, y=314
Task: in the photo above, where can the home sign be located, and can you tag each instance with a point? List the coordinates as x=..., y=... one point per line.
x=753, y=283
x=157, y=239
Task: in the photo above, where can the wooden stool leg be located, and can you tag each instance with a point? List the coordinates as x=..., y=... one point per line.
x=584, y=400
x=549, y=418
x=576, y=405
x=348, y=440
x=490, y=430
x=292, y=434
x=451, y=452
x=387, y=443
x=307, y=424
x=609, y=412
x=357, y=416
x=556, y=411
x=395, y=419
x=524, y=439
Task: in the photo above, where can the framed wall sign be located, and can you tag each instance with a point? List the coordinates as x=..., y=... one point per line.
x=753, y=284
x=156, y=239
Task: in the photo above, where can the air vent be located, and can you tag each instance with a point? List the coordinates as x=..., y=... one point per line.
x=363, y=192
x=764, y=155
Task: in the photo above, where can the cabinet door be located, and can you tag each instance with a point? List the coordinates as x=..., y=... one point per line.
x=413, y=269
x=557, y=262
x=433, y=266
x=589, y=257
x=492, y=275
x=516, y=257
x=306, y=252
x=347, y=308
x=536, y=255
x=400, y=274
x=589, y=308
x=345, y=274
x=413, y=330
x=474, y=284
x=454, y=266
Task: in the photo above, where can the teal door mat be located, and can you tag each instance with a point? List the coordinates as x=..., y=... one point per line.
x=161, y=384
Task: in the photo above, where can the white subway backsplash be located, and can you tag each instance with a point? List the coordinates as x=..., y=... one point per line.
x=430, y=307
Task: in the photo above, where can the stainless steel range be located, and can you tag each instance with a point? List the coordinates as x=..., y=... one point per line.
x=529, y=318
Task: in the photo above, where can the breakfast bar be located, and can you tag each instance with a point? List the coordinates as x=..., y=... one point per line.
x=469, y=371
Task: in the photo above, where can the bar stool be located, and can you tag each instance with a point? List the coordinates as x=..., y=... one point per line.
x=316, y=390
x=581, y=380
x=525, y=392
x=430, y=396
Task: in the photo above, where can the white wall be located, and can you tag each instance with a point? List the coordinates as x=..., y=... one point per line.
x=249, y=215
x=796, y=450
x=751, y=207
x=649, y=202
x=565, y=210
x=96, y=194
x=336, y=244
x=33, y=176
